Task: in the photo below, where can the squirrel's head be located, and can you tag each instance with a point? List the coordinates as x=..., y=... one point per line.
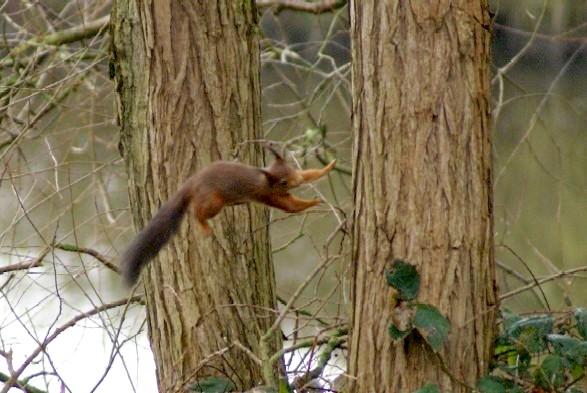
x=281, y=176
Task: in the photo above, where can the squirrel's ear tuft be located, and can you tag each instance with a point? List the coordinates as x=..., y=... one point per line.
x=278, y=158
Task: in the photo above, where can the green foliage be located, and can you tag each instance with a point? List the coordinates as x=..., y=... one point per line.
x=431, y=325
x=547, y=353
x=428, y=322
x=213, y=384
x=550, y=373
x=509, y=317
x=530, y=333
x=424, y=318
x=397, y=334
x=430, y=388
x=580, y=315
x=573, y=349
x=494, y=384
x=404, y=277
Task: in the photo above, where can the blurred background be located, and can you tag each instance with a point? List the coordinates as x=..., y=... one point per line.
x=65, y=216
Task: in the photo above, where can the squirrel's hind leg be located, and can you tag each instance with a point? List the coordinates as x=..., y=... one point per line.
x=204, y=210
x=205, y=227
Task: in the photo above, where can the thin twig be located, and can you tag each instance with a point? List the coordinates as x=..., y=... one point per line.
x=72, y=322
x=84, y=250
x=74, y=34
x=543, y=280
x=38, y=261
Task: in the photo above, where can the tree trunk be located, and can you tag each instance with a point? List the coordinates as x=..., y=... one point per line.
x=422, y=186
x=187, y=78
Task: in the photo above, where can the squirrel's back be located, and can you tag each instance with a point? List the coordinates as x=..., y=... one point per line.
x=235, y=182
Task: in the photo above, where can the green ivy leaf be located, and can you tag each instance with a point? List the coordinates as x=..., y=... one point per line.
x=562, y=341
x=404, y=277
x=431, y=325
x=491, y=384
x=430, y=388
x=577, y=372
x=509, y=317
x=397, y=334
x=550, y=374
x=580, y=315
x=213, y=384
x=504, y=349
x=494, y=384
x=529, y=332
x=517, y=363
x=571, y=348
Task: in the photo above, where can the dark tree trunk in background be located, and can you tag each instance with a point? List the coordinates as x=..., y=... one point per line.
x=187, y=77
x=422, y=184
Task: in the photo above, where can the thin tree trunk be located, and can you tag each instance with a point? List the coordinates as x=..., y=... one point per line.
x=187, y=77
x=422, y=186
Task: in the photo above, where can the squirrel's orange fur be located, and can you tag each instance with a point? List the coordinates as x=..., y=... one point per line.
x=207, y=192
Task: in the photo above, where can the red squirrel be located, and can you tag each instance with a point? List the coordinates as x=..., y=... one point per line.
x=204, y=194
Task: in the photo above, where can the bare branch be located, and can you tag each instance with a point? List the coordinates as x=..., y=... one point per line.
x=77, y=33
x=539, y=36
x=12, y=381
x=38, y=261
x=560, y=274
x=83, y=250
x=334, y=342
x=22, y=385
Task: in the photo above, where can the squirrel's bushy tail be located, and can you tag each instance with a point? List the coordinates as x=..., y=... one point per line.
x=153, y=237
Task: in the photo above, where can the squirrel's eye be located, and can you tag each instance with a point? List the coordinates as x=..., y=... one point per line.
x=283, y=182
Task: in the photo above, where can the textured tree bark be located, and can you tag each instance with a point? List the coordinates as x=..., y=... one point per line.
x=187, y=78
x=422, y=186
